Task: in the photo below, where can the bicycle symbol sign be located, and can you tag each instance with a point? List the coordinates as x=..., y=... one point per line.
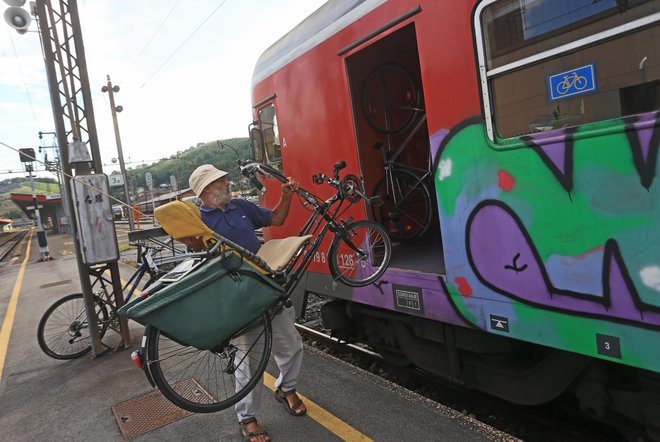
x=573, y=82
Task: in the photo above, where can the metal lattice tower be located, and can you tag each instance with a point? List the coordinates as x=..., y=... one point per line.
x=73, y=113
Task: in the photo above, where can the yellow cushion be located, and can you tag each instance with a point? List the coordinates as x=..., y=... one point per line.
x=182, y=219
x=278, y=252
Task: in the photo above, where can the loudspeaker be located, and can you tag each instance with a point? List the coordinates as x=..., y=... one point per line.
x=15, y=2
x=18, y=18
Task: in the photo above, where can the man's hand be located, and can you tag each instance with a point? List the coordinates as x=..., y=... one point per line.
x=281, y=211
x=289, y=187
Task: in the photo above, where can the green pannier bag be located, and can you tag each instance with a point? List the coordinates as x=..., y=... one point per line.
x=210, y=304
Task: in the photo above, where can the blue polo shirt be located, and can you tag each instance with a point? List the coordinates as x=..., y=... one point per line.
x=238, y=222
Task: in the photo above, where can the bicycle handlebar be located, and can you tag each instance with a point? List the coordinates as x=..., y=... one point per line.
x=347, y=188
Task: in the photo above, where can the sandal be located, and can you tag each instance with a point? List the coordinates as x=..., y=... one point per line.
x=248, y=435
x=281, y=397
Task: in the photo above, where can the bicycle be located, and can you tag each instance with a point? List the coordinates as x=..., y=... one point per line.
x=391, y=104
x=572, y=80
x=63, y=331
x=202, y=377
x=406, y=211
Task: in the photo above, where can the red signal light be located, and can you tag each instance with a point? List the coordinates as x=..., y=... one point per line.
x=27, y=155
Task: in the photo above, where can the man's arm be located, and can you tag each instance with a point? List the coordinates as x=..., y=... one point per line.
x=281, y=210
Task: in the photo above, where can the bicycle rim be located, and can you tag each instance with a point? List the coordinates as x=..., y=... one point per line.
x=205, y=381
x=63, y=332
x=357, y=269
x=406, y=209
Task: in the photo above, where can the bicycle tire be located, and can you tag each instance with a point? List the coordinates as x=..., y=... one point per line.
x=407, y=218
x=580, y=83
x=204, y=381
x=62, y=332
x=562, y=88
x=357, y=271
x=389, y=98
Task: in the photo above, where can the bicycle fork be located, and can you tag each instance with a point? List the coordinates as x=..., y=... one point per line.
x=346, y=236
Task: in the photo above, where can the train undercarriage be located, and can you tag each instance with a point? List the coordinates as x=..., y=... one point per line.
x=623, y=397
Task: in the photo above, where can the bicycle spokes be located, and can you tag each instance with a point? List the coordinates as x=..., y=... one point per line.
x=361, y=254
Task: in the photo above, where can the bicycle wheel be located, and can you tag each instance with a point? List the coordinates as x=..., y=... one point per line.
x=389, y=98
x=406, y=209
x=205, y=381
x=357, y=268
x=63, y=332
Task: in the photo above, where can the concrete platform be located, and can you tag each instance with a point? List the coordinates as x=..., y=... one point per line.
x=42, y=399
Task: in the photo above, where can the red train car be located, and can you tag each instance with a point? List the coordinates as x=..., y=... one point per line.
x=515, y=145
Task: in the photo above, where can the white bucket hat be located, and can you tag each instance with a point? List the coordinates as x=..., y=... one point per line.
x=203, y=176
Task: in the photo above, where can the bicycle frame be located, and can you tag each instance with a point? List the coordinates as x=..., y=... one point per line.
x=325, y=212
x=390, y=164
x=322, y=211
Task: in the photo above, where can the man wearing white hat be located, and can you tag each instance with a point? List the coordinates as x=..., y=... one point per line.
x=236, y=220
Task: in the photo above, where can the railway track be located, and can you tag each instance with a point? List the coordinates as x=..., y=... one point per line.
x=8, y=241
x=542, y=424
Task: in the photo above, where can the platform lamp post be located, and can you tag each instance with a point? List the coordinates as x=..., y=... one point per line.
x=110, y=89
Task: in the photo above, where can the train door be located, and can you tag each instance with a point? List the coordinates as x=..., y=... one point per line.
x=393, y=143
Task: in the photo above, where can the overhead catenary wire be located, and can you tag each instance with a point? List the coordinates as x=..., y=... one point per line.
x=152, y=37
x=20, y=70
x=208, y=17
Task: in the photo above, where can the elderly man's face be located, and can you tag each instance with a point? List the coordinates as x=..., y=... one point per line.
x=217, y=193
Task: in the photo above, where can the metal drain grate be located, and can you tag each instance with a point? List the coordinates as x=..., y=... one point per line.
x=150, y=411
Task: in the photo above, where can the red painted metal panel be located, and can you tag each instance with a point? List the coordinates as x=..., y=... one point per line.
x=313, y=98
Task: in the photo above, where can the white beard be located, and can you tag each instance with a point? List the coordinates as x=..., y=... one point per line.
x=220, y=197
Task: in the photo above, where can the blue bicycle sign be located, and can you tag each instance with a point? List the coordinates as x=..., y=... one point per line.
x=573, y=82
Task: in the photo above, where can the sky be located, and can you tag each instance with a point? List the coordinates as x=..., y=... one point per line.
x=171, y=99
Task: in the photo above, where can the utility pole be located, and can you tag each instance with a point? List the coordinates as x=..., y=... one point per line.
x=114, y=109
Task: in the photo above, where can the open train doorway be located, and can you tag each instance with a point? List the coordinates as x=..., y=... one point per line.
x=393, y=141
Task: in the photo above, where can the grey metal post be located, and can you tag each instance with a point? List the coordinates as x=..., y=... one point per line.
x=111, y=90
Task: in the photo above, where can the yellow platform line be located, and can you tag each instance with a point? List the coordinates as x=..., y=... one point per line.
x=8, y=322
x=331, y=422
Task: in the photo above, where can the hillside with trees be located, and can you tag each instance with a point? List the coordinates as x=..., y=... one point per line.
x=181, y=165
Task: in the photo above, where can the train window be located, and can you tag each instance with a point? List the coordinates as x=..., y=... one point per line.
x=549, y=64
x=270, y=136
